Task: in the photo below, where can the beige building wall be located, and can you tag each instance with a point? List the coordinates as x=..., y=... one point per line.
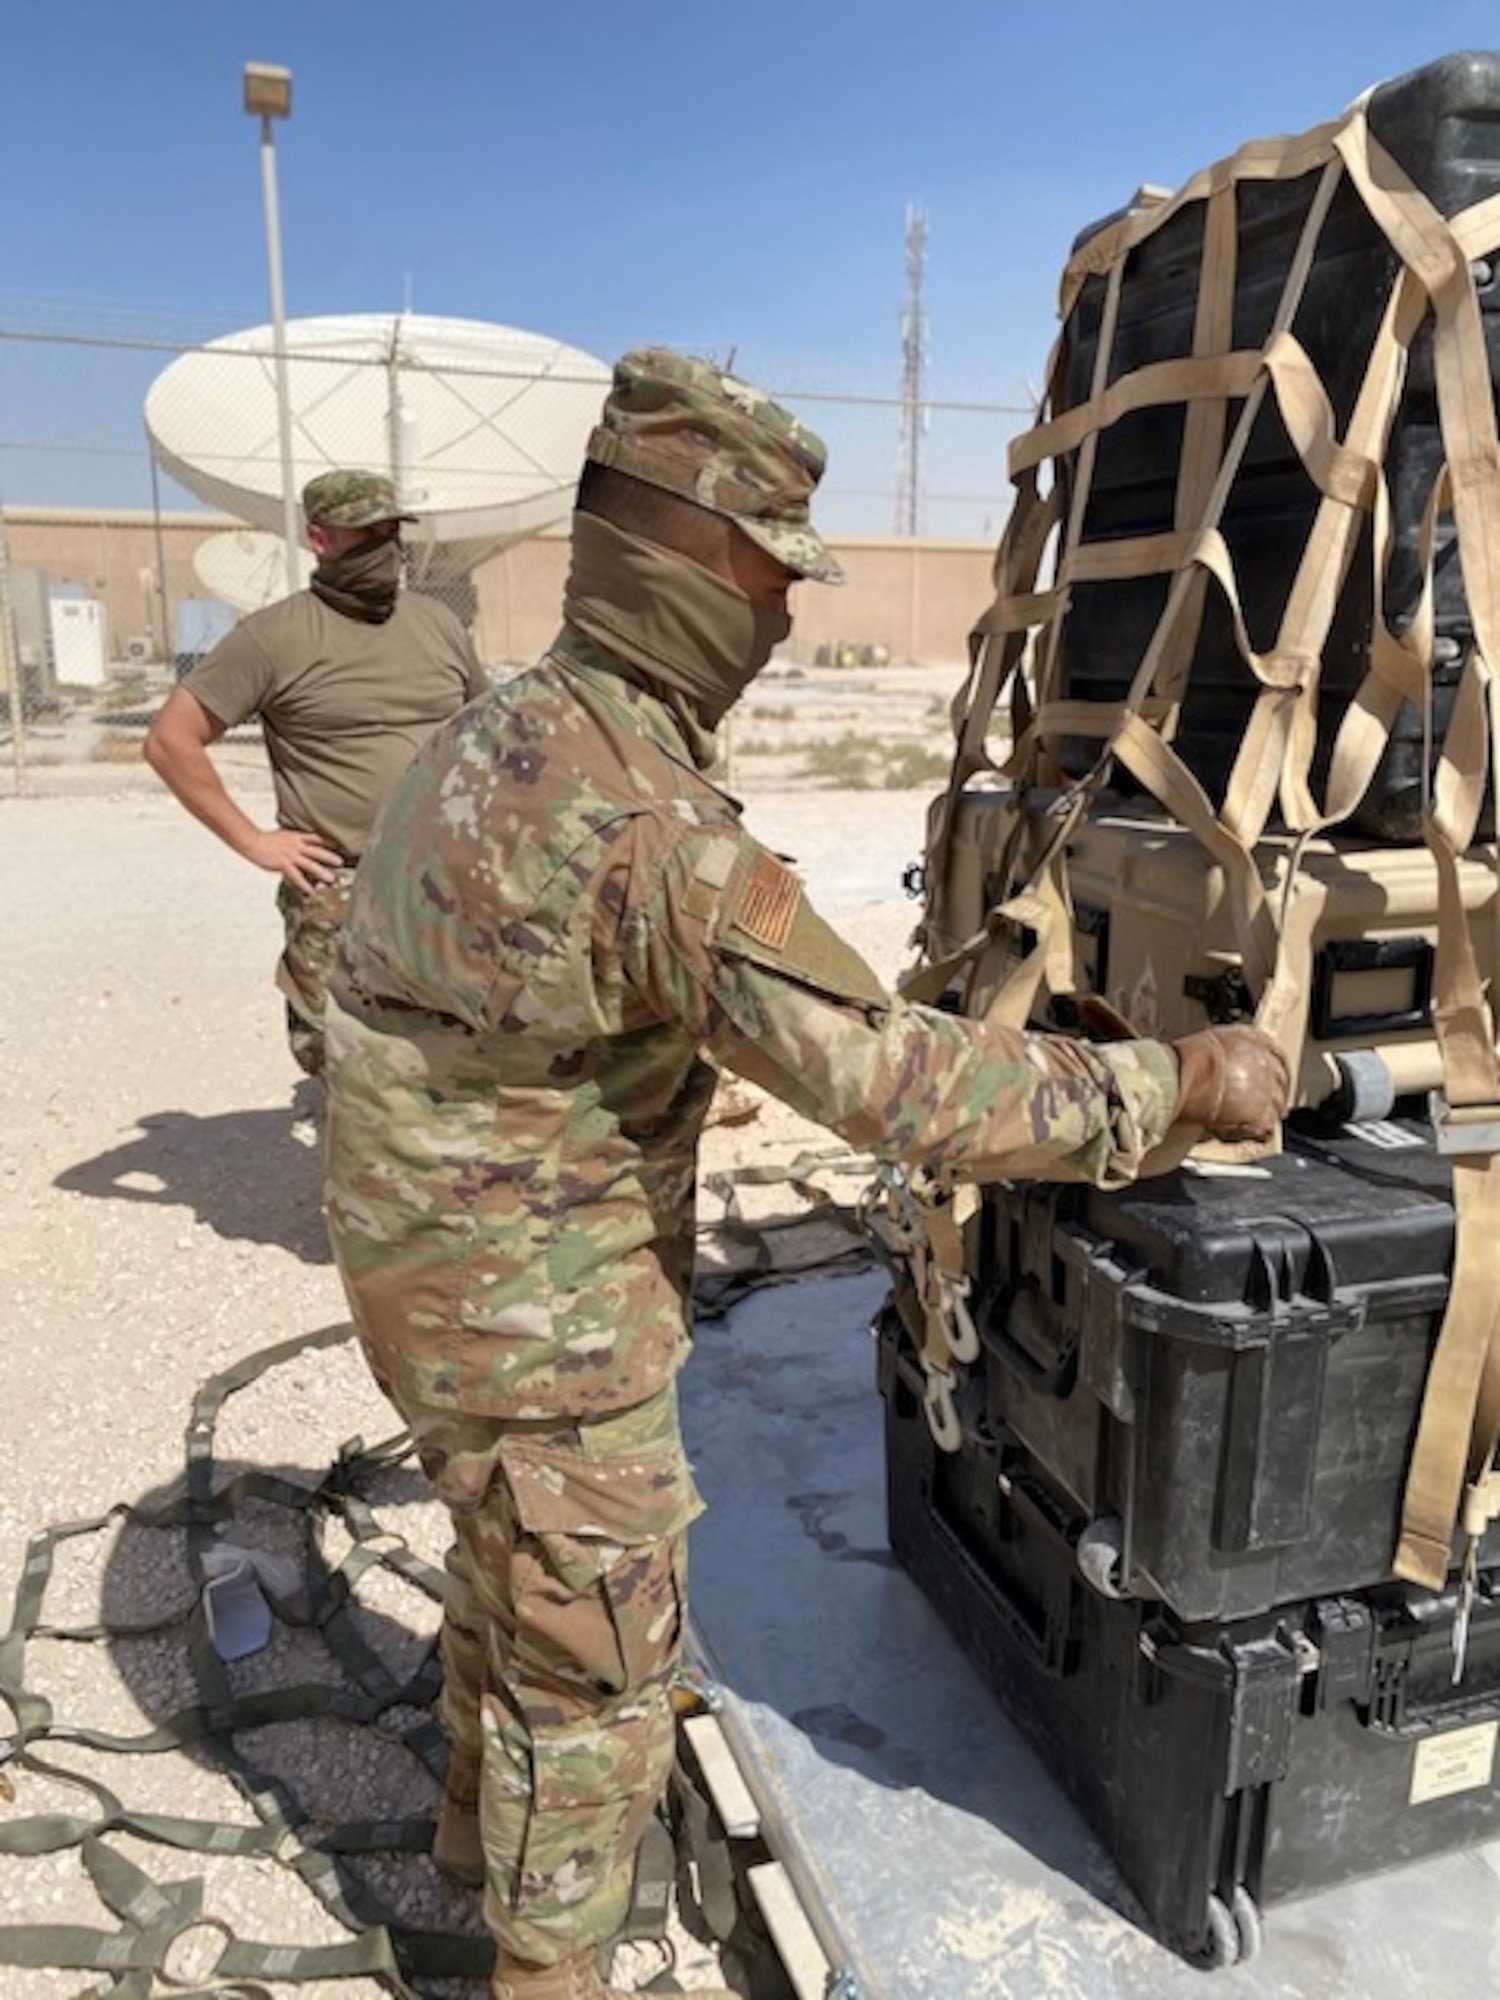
x=914, y=600
x=905, y=599
x=116, y=557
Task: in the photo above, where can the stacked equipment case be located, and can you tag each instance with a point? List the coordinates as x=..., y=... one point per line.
x=1165, y=1534
x=1150, y=1449
x=1230, y=1764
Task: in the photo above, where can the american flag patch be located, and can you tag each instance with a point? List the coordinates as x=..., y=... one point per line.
x=768, y=903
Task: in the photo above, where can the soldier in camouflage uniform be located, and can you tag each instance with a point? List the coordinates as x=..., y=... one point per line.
x=347, y=677
x=558, y=919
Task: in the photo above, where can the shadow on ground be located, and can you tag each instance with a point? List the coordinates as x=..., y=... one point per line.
x=250, y=1176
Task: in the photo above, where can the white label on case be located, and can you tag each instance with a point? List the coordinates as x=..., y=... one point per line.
x=1462, y=1760
x=1380, y=1132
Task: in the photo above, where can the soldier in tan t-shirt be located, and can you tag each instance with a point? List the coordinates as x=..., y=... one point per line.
x=349, y=678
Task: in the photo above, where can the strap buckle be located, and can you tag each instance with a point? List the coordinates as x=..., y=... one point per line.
x=1463, y=1128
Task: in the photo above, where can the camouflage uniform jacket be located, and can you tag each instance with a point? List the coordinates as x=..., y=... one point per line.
x=557, y=917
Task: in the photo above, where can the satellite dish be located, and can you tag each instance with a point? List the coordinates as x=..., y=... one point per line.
x=247, y=568
x=481, y=428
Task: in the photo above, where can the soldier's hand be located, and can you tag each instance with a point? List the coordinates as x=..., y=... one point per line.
x=304, y=860
x=1233, y=1081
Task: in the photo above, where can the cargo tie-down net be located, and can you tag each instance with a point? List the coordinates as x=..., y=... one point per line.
x=343, y=1828
x=1253, y=564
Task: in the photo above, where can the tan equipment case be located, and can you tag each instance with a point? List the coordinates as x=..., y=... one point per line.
x=1150, y=927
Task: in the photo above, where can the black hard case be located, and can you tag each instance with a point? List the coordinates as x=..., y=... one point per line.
x=1228, y=1767
x=1442, y=123
x=1222, y=1369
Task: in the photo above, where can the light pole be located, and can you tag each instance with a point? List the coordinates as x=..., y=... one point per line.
x=268, y=96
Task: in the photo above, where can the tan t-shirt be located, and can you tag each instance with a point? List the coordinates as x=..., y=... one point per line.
x=344, y=704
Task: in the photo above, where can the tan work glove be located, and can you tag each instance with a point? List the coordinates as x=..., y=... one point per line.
x=1233, y=1081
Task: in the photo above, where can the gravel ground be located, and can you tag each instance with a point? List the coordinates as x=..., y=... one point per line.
x=159, y=1222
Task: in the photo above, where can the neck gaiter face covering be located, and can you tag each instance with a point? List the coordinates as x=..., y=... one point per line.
x=685, y=631
x=364, y=582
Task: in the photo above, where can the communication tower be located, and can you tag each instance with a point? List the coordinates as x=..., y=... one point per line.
x=913, y=365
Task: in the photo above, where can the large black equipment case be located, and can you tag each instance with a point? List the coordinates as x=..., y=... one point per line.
x=1219, y=1372
x=1442, y=124
x=1227, y=1767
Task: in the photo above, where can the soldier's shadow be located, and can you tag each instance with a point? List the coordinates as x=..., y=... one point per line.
x=249, y=1176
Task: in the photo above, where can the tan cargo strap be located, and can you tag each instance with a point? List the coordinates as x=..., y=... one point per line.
x=1185, y=381
x=1260, y=159
x=997, y=645
x=820, y=1231
x=1460, y=1420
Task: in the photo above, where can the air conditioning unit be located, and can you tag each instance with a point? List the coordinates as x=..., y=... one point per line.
x=138, y=649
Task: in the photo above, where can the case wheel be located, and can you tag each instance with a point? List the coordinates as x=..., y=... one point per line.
x=1221, y=1939
x=1246, y=1921
x=1099, y=1554
x=1233, y=1931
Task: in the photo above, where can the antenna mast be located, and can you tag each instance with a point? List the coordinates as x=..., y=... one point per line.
x=913, y=363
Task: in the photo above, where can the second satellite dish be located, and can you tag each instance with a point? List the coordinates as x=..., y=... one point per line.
x=247, y=568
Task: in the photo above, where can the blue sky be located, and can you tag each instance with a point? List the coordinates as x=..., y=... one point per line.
x=719, y=178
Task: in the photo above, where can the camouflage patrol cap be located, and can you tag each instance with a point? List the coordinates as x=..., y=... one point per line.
x=351, y=500
x=685, y=425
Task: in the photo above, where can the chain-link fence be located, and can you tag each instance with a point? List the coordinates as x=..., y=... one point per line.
x=144, y=506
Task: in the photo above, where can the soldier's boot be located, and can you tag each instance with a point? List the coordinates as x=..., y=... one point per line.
x=576, y=1979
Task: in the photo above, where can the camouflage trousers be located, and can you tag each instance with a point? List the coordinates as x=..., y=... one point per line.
x=563, y=1626
x=312, y=920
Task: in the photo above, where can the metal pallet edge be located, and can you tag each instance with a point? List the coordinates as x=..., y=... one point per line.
x=792, y=1905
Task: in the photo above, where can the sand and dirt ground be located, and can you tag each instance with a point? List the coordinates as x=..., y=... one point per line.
x=160, y=1222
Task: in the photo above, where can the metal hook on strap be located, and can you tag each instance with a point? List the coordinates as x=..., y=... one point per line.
x=1481, y=1504
x=958, y=1322
x=941, y=1412
x=887, y=1210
